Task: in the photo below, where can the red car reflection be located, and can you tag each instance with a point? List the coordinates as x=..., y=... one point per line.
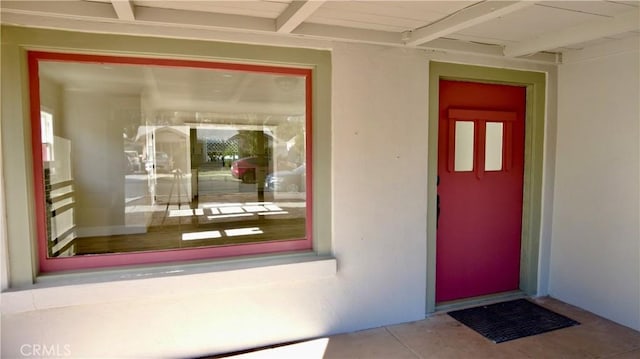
x=247, y=168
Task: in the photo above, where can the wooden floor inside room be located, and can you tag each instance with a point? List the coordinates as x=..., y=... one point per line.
x=203, y=223
x=172, y=236
x=441, y=336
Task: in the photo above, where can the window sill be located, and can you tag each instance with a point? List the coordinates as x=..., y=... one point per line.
x=96, y=287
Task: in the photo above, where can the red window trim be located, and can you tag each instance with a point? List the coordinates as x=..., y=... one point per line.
x=160, y=256
x=489, y=116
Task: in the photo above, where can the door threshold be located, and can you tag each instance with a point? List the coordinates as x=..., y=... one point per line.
x=477, y=301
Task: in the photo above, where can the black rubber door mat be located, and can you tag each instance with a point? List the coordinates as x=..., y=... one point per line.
x=510, y=320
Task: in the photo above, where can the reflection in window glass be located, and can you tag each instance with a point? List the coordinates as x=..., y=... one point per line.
x=159, y=157
x=493, y=147
x=46, y=130
x=464, y=146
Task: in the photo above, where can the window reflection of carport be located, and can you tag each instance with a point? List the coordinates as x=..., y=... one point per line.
x=174, y=141
x=255, y=141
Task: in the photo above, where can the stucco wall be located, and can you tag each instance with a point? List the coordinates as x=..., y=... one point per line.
x=595, y=251
x=379, y=208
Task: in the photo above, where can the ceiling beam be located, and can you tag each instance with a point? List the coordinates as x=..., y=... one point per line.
x=100, y=17
x=61, y=9
x=297, y=12
x=202, y=20
x=124, y=9
x=471, y=48
x=334, y=32
x=465, y=18
x=586, y=31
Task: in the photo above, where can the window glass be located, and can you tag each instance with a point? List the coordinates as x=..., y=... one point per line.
x=464, y=145
x=148, y=156
x=493, y=146
x=46, y=126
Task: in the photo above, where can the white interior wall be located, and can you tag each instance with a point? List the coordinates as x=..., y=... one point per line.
x=51, y=101
x=595, y=251
x=379, y=144
x=95, y=132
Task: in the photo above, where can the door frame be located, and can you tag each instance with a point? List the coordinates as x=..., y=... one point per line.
x=535, y=82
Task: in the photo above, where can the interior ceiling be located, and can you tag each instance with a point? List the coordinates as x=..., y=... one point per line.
x=190, y=94
x=535, y=30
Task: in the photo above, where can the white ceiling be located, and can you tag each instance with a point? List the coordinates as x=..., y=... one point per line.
x=190, y=94
x=537, y=30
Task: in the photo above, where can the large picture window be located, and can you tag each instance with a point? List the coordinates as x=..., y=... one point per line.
x=141, y=160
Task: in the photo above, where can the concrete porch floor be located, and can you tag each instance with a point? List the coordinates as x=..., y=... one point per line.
x=440, y=336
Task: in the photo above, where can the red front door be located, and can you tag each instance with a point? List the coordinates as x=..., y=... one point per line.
x=480, y=169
